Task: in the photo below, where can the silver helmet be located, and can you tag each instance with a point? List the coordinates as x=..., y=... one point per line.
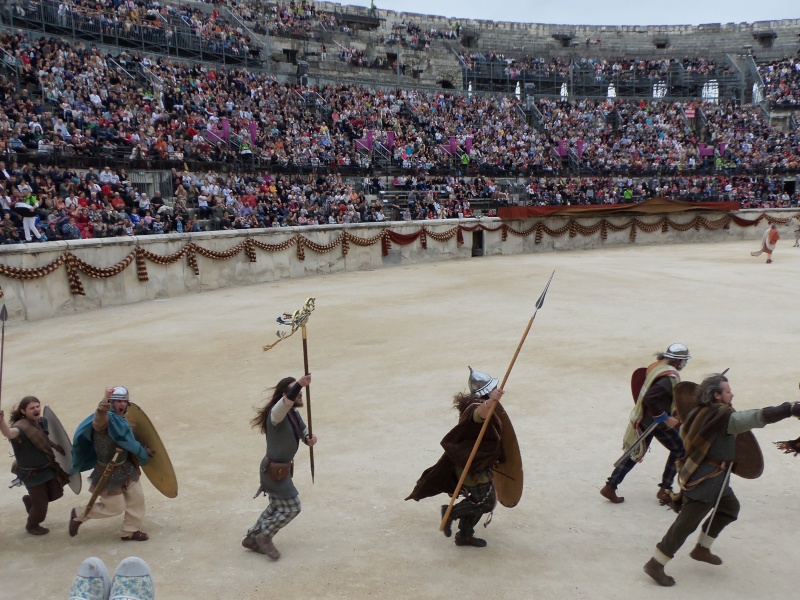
x=480, y=383
x=120, y=393
x=677, y=352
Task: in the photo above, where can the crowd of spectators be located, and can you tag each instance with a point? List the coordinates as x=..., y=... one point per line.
x=64, y=204
x=658, y=137
x=749, y=191
x=415, y=37
x=145, y=20
x=89, y=109
x=290, y=19
x=782, y=82
x=615, y=70
x=72, y=102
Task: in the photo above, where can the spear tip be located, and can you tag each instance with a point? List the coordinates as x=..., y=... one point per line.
x=540, y=301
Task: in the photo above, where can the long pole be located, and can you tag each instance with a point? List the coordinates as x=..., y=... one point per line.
x=308, y=400
x=539, y=304
x=3, y=318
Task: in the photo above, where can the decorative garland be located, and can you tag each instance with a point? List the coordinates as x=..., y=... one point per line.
x=386, y=238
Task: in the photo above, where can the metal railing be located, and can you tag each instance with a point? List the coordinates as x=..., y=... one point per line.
x=254, y=38
x=99, y=28
x=122, y=158
x=581, y=81
x=10, y=65
x=154, y=81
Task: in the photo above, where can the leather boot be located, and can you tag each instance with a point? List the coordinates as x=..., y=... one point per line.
x=265, y=546
x=469, y=540
x=37, y=530
x=610, y=493
x=74, y=524
x=656, y=570
x=448, y=530
x=703, y=554
x=250, y=544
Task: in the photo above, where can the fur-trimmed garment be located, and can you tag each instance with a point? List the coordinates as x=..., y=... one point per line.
x=458, y=444
x=36, y=463
x=699, y=431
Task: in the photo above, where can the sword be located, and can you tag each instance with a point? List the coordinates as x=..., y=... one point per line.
x=633, y=446
x=719, y=497
x=102, y=482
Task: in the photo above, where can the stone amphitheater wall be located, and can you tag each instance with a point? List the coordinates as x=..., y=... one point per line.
x=51, y=295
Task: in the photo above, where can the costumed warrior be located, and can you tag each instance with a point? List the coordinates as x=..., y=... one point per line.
x=796, y=222
x=478, y=491
x=105, y=443
x=654, y=404
x=768, y=242
x=36, y=466
x=709, y=435
x=284, y=428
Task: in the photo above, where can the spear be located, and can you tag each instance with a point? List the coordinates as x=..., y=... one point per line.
x=539, y=304
x=308, y=398
x=3, y=318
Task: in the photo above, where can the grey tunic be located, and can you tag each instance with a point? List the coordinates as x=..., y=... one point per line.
x=282, y=445
x=122, y=476
x=32, y=463
x=723, y=448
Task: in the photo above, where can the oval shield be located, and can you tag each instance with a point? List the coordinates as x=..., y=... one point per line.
x=749, y=462
x=58, y=435
x=159, y=468
x=508, y=475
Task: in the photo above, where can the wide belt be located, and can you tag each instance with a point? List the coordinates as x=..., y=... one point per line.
x=113, y=465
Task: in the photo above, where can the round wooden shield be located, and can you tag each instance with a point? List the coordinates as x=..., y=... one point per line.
x=508, y=475
x=59, y=436
x=683, y=398
x=637, y=381
x=159, y=468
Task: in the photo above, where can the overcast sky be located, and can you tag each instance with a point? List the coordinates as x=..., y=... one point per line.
x=615, y=12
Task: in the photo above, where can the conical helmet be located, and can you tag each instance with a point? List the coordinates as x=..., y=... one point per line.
x=480, y=383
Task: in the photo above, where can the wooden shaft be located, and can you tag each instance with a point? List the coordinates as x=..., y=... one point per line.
x=102, y=482
x=3, y=318
x=483, y=428
x=308, y=401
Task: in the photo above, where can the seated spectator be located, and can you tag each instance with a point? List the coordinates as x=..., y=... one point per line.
x=70, y=231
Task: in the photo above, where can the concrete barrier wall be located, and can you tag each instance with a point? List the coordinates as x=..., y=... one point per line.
x=48, y=296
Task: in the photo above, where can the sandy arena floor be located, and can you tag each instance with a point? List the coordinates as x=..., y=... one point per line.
x=388, y=350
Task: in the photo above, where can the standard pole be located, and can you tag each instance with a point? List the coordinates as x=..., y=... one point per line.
x=308, y=400
x=3, y=318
